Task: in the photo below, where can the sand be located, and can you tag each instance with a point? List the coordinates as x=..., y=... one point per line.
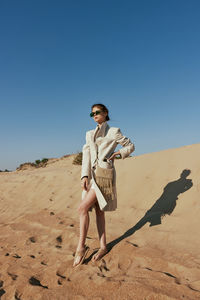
x=153, y=236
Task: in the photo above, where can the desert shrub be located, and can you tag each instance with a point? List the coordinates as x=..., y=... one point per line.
x=41, y=163
x=24, y=165
x=78, y=159
x=44, y=160
x=37, y=164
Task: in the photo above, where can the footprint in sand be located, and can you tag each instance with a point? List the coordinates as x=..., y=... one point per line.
x=45, y=261
x=59, y=239
x=61, y=279
x=100, y=274
x=16, y=256
x=17, y=295
x=60, y=275
x=32, y=239
x=103, y=266
x=195, y=286
x=124, y=264
x=2, y=291
x=13, y=276
x=36, y=282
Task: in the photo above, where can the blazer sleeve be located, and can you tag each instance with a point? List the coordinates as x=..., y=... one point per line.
x=128, y=146
x=86, y=161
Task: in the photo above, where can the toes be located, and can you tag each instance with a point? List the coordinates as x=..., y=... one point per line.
x=95, y=257
x=100, y=253
x=77, y=261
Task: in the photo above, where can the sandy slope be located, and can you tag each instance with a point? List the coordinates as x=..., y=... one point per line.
x=153, y=236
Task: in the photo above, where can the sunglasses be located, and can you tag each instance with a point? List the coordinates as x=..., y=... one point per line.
x=97, y=112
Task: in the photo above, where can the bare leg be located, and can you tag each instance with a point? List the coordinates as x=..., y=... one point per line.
x=88, y=201
x=100, y=221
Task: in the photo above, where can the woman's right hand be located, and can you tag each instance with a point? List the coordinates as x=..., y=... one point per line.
x=84, y=183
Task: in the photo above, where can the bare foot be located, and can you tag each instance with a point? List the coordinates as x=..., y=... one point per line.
x=100, y=253
x=80, y=255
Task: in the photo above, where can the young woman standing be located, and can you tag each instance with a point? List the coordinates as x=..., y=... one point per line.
x=98, y=150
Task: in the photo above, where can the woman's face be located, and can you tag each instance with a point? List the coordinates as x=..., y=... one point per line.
x=100, y=118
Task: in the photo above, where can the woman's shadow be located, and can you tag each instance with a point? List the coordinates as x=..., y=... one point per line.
x=163, y=206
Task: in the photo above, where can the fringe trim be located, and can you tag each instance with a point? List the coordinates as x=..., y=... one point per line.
x=104, y=180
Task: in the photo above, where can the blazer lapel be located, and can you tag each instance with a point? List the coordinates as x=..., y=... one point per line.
x=103, y=131
x=94, y=133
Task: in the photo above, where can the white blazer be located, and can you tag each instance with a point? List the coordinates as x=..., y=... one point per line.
x=99, y=147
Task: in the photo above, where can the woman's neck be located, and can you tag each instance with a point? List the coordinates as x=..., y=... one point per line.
x=100, y=124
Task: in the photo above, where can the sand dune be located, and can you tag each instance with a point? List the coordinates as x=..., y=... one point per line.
x=153, y=235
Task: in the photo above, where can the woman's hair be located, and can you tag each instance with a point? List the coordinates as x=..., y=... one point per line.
x=103, y=108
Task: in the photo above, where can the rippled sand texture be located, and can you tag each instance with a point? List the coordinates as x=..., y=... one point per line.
x=153, y=237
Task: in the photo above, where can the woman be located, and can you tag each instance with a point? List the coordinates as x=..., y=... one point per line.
x=99, y=149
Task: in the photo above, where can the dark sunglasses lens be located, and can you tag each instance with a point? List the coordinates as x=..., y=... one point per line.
x=97, y=112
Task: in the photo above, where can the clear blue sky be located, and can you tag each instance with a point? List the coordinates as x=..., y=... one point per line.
x=57, y=58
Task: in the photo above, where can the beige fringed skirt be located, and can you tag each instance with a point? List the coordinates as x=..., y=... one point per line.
x=104, y=180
